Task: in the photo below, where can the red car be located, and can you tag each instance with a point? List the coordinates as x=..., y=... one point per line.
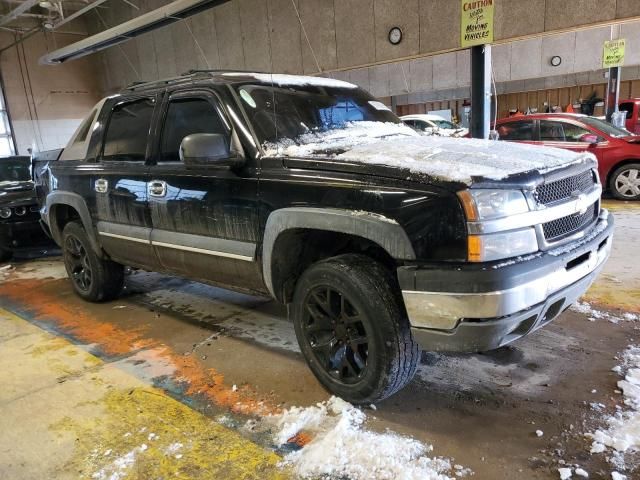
x=618, y=151
x=632, y=108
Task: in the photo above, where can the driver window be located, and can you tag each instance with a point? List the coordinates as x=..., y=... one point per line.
x=186, y=116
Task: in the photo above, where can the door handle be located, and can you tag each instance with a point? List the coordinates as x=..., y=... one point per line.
x=157, y=188
x=101, y=185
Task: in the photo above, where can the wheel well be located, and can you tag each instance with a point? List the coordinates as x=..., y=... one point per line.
x=616, y=167
x=296, y=249
x=61, y=215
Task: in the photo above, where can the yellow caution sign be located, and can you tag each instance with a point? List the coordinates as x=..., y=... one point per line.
x=613, y=54
x=476, y=23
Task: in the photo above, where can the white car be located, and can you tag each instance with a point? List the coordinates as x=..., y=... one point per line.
x=434, y=125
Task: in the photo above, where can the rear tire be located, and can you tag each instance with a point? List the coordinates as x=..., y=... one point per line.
x=5, y=255
x=352, y=329
x=94, y=279
x=625, y=182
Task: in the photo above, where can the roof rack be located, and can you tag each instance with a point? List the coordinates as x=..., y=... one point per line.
x=166, y=81
x=153, y=83
x=213, y=70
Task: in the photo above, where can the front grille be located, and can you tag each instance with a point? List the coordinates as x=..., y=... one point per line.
x=565, y=226
x=562, y=189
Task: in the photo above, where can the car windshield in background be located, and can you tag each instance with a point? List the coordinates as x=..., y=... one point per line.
x=303, y=114
x=15, y=170
x=445, y=124
x=606, y=127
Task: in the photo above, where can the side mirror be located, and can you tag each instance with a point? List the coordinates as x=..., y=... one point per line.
x=590, y=138
x=207, y=150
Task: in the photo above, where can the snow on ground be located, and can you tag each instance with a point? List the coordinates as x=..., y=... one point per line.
x=595, y=314
x=341, y=446
x=621, y=436
x=37, y=269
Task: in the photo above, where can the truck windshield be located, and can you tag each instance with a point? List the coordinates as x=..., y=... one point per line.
x=306, y=115
x=15, y=170
x=606, y=127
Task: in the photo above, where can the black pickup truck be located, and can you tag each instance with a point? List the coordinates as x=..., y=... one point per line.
x=311, y=191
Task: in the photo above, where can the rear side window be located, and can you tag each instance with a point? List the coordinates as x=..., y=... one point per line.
x=186, y=116
x=523, y=130
x=128, y=131
x=627, y=108
x=561, y=132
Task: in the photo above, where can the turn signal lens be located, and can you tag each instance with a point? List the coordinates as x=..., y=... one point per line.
x=468, y=205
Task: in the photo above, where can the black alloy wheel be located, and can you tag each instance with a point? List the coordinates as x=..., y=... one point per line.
x=78, y=264
x=337, y=336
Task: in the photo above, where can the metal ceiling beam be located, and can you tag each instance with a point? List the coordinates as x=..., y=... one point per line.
x=75, y=15
x=19, y=10
x=153, y=20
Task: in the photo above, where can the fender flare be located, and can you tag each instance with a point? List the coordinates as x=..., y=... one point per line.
x=76, y=202
x=383, y=231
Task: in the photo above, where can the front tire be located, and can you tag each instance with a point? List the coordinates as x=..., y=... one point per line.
x=625, y=182
x=94, y=279
x=352, y=329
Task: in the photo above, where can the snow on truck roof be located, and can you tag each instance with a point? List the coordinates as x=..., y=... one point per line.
x=293, y=80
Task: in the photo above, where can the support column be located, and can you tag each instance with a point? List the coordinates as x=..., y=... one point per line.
x=480, y=91
x=613, y=92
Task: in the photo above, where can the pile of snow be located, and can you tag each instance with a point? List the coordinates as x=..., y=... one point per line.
x=568, y=472
x=595, y=314
x=5, y=270
x=341, y=447
x=120, y=467
x=623, y=429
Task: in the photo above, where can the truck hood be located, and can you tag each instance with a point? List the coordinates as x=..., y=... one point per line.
x=464, y=160
x=16, y=192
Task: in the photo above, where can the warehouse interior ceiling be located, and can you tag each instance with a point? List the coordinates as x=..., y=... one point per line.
x=24, y=15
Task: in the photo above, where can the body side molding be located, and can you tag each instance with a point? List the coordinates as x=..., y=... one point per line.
x=385, y=232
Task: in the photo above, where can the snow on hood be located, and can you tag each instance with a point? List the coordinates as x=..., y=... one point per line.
x=449, y=159
x=460, y=159
x=314, y=144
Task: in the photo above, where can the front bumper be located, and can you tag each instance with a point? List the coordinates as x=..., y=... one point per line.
x=482, y=307
x=22, y=235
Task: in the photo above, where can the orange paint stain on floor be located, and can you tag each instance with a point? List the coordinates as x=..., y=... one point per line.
x=115, y=340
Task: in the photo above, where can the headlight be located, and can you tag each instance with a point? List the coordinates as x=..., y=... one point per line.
x=5, y=212
x=491, y=204
x=487, y=248
x=21, y=211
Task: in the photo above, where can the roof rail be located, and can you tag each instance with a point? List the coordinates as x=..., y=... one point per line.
x=212, y=70
x=153, y=83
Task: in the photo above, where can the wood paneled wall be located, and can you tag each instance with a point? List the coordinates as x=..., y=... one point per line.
x=533, y=99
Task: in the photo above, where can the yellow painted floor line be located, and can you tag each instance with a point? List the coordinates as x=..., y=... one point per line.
x=65, y=414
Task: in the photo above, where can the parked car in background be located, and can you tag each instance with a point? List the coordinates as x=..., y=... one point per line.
x=617, y=150
x=20, y=226
x=434, y=125
x=309, y=190
x=632, y=108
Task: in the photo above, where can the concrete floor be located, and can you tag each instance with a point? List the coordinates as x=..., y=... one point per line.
x=85, y=386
